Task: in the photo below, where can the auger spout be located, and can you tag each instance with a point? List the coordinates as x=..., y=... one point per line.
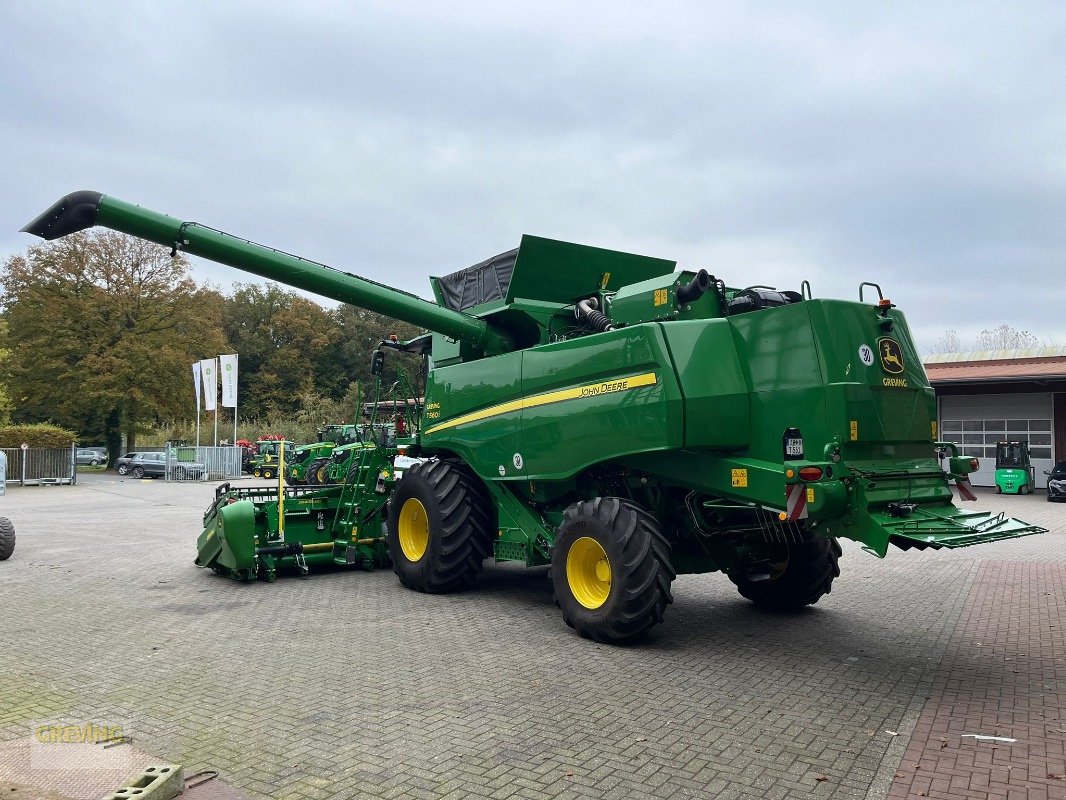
x=85, y=209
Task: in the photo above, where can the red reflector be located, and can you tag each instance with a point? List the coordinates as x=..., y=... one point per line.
x=975, y=464
x=810, y=473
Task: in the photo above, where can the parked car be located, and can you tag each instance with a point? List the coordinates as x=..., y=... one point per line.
x=1056, y=483
x=122, y=463
x=90, y=456
x=154, y=465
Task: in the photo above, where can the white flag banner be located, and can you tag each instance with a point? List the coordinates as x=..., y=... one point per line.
x=196, y=383
x=228, y=367
x=207, y=367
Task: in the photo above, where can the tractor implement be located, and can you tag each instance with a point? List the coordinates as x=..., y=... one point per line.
x=613, y=418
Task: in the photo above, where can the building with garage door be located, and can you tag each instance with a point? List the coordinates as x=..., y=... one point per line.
x=989, y=396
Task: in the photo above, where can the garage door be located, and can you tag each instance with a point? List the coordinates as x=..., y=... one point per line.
x=977, y=422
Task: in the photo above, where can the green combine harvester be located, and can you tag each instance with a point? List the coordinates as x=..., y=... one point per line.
x=600, y=413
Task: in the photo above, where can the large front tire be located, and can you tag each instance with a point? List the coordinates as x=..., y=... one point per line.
x=7, y=538
x=801, y=573
x=441, y=526
x=611, y=570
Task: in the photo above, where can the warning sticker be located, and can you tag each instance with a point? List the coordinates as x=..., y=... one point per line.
x=740, y=479
x=854, y=427
x=810, y=494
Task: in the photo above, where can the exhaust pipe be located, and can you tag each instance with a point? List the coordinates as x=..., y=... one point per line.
x=694, y=289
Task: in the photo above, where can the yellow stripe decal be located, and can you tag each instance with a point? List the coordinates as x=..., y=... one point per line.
x=575, y=393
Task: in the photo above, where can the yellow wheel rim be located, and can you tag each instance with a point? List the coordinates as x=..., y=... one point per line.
x=413, y=529
x=588, y=571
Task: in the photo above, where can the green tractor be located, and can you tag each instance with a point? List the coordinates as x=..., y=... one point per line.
x=1015, y=473
x=616, y=420
x=346, y=457
x=331, y=438
x=303, y=457
x=266, y=462
x=308, y=460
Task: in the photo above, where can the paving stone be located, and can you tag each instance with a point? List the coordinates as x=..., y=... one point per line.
x=346, y=685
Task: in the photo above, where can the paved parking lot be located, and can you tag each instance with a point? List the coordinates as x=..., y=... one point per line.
x=347, y=685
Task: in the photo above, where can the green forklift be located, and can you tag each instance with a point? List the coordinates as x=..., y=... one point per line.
x=1014, y=470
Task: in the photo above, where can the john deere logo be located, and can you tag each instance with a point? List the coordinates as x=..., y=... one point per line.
x=891, y=356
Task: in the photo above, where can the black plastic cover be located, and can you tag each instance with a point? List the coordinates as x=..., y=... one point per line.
x=70, y=214
x=758, y=298
x=478, y=284
x=420, y=345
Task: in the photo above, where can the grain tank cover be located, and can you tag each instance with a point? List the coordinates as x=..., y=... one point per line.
x=478, y=284
x=547, y=270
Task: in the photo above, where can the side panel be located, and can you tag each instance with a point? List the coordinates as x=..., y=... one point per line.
x=490, y=386
x=782, y=365
x=551, y=411
x=714, y=385
x=623, y=398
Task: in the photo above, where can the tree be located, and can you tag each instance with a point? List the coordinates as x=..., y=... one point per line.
x=102, y=329
x=278, y=335
x=296, y=355
x=5, y=360
x=1002, y=338
x=948, y=343
x=347, y=356
x=1006, y=338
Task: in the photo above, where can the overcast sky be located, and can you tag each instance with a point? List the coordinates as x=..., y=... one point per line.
x=922, y=146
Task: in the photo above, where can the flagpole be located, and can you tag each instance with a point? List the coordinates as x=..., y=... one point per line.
x=214, y=364
x=196, y=388
x=236, y=395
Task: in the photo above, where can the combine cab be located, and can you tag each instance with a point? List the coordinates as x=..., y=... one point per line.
x=620, y=421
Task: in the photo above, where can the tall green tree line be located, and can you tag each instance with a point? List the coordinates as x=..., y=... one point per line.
x=98, y=332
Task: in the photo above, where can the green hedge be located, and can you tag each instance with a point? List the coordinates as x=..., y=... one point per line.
x=42, y=435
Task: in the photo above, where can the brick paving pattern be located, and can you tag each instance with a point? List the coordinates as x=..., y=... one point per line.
x=347, y=685
x=1003, y=675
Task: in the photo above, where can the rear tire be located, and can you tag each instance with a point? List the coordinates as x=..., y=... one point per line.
x=180, y=474
x=611, y=570
x=802, y=577
x=137, y=472
x=268, y=473
x=7, y=538
x=441, y=526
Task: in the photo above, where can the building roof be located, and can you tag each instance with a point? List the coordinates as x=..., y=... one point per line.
x=996, y=355
x=1035, y=363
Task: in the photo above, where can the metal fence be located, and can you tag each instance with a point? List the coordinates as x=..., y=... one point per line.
x=203, y=463
x=40, y=465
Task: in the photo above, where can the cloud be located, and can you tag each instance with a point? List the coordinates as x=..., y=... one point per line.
x=921, y=146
